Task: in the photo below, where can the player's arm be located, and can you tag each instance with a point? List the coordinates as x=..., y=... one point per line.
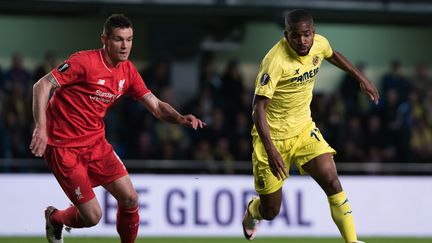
x=41, y=93
x=259, y=110
x=366, y=85
x=165, y=112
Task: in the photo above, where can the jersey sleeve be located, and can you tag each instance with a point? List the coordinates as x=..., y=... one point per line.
x=268, y=77
x=72, y=70
x=327, y=50
x=137, y=87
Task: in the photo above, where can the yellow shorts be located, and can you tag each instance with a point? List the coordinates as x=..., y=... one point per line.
x=300, y=149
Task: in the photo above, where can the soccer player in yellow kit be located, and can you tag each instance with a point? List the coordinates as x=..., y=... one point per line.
x=284, y=132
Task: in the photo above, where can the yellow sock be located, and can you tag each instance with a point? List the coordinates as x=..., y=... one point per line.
x=253, y=208
x=342, y=216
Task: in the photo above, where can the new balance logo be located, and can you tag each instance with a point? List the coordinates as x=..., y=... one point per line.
x=101, y=82
x=348, y=212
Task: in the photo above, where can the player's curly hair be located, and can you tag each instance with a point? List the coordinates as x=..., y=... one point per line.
x=115, y=21
x=297, y=15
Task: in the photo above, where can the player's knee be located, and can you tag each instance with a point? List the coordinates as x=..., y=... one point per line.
x=130, y=200
x=92, y=218
x=269, y=213
x=332, y=186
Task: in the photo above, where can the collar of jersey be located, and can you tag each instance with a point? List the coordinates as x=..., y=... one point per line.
x=106, y=63
x=294, y=54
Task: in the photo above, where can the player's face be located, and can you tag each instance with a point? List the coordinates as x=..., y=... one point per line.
x=300, y=37
x=118, y=45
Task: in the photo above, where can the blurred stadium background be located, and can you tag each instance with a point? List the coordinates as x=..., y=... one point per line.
x=202, y=56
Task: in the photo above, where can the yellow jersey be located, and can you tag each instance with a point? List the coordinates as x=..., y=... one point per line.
x=288, y=79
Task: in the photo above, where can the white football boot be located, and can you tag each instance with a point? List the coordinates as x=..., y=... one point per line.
x=53, y=234
x=250, y=225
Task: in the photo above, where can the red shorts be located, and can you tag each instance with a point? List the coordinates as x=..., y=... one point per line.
x=79, y=169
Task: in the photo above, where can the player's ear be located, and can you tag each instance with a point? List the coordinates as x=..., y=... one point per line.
x=103, y=39
x=286, y=34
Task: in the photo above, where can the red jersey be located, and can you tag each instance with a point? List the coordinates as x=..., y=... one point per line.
x=89, y=85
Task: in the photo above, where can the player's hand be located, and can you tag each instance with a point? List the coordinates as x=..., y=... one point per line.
x=370, y=90
x=39, y=142
x=193, y=122
x=277, y=165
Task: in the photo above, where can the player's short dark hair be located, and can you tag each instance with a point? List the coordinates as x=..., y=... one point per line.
x=297, y=15
x=115, y=21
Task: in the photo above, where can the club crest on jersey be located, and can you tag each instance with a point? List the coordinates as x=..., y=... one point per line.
x=265, y=79
x=315, y=60
x=62, y=68
x=78, y=193
x=120, y=85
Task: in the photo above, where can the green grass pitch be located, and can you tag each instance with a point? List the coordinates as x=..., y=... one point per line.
x=212, y=240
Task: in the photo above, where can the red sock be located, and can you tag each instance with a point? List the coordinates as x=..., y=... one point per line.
x=69, y=217
x=127, y=223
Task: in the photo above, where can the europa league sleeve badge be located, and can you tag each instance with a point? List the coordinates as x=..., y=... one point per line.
x=265, y=78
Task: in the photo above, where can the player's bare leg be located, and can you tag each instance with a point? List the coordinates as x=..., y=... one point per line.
x=127, y=208
x=323, y=171
x=270, y=204
x=90, y=212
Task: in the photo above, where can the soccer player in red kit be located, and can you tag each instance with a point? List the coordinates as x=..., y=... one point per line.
x=69, y=130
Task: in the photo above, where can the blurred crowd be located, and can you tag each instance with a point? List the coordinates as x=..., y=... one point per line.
x=399, y=129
